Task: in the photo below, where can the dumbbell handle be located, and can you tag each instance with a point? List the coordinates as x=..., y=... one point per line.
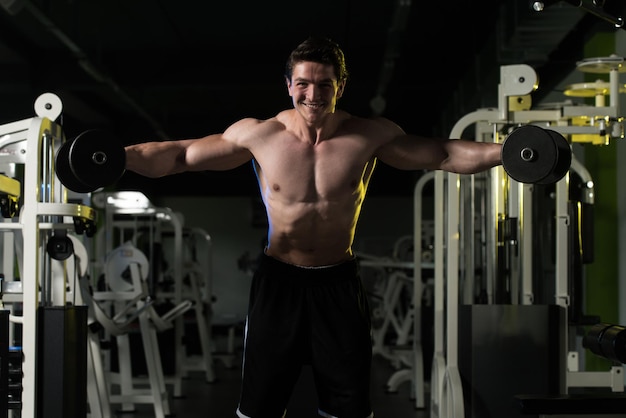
x=99, y=157
x=527, y=154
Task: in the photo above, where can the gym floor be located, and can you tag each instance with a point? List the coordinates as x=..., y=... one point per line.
x=219, y=399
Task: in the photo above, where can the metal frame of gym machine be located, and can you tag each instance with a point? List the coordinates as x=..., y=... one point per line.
x=127, y=211
x=516, y=84
x=32, y=144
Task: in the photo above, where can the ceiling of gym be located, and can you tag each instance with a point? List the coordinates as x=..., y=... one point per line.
x=158, y=69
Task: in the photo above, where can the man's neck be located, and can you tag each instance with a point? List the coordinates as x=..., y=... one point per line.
x=320, y=130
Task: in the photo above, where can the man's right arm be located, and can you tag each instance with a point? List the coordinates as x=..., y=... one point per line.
x=158, y=159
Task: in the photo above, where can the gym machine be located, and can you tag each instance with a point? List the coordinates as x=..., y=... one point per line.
x=186, y=282
x=604, y=340
x=47, y=330
x=126, y=272
x=392, y=310
x=485, y=311
x=412, y=277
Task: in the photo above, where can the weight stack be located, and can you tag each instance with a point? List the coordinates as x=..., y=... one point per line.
x=508, y=350
x=61, y=362
x=4, y=363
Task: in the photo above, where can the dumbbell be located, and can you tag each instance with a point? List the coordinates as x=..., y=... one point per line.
x=531, y=154
x=92, y=160
x=607, y=341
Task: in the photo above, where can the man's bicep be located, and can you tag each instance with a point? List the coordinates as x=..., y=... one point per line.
x=409, y=152
x=215, y=152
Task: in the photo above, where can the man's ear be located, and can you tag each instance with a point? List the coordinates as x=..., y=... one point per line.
x=288, y=83
x=341, y=86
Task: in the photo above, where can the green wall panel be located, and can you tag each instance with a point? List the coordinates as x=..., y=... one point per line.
x=601, y=292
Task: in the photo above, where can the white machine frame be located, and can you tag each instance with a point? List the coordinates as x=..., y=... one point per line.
x=517, y=82
x=33, y=143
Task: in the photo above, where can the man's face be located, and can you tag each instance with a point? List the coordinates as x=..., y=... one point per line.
x=314, y=89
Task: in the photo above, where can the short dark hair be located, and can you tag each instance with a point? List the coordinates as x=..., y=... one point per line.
x=321, y=50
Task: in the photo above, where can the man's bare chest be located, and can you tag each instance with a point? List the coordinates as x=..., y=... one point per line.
x=313, y=172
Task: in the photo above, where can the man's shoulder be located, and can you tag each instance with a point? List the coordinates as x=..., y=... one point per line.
x=255, y=124
x=250, y=132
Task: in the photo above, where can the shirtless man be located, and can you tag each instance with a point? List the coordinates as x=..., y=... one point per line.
x=313, y=164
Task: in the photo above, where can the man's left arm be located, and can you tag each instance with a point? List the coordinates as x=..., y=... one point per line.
x=411, y=152
x=468, y=157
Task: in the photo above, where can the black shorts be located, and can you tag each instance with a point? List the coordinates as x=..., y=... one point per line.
x=299, y=315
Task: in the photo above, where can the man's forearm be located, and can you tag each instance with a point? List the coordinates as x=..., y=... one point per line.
x=469, y=157
x=154, y=159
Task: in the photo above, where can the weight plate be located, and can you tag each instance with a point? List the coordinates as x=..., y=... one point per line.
x=97, y=159
x=564, y=158
x=529, y=154
x=64, y=171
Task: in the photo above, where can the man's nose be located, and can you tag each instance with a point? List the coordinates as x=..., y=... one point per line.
x=313, y=92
